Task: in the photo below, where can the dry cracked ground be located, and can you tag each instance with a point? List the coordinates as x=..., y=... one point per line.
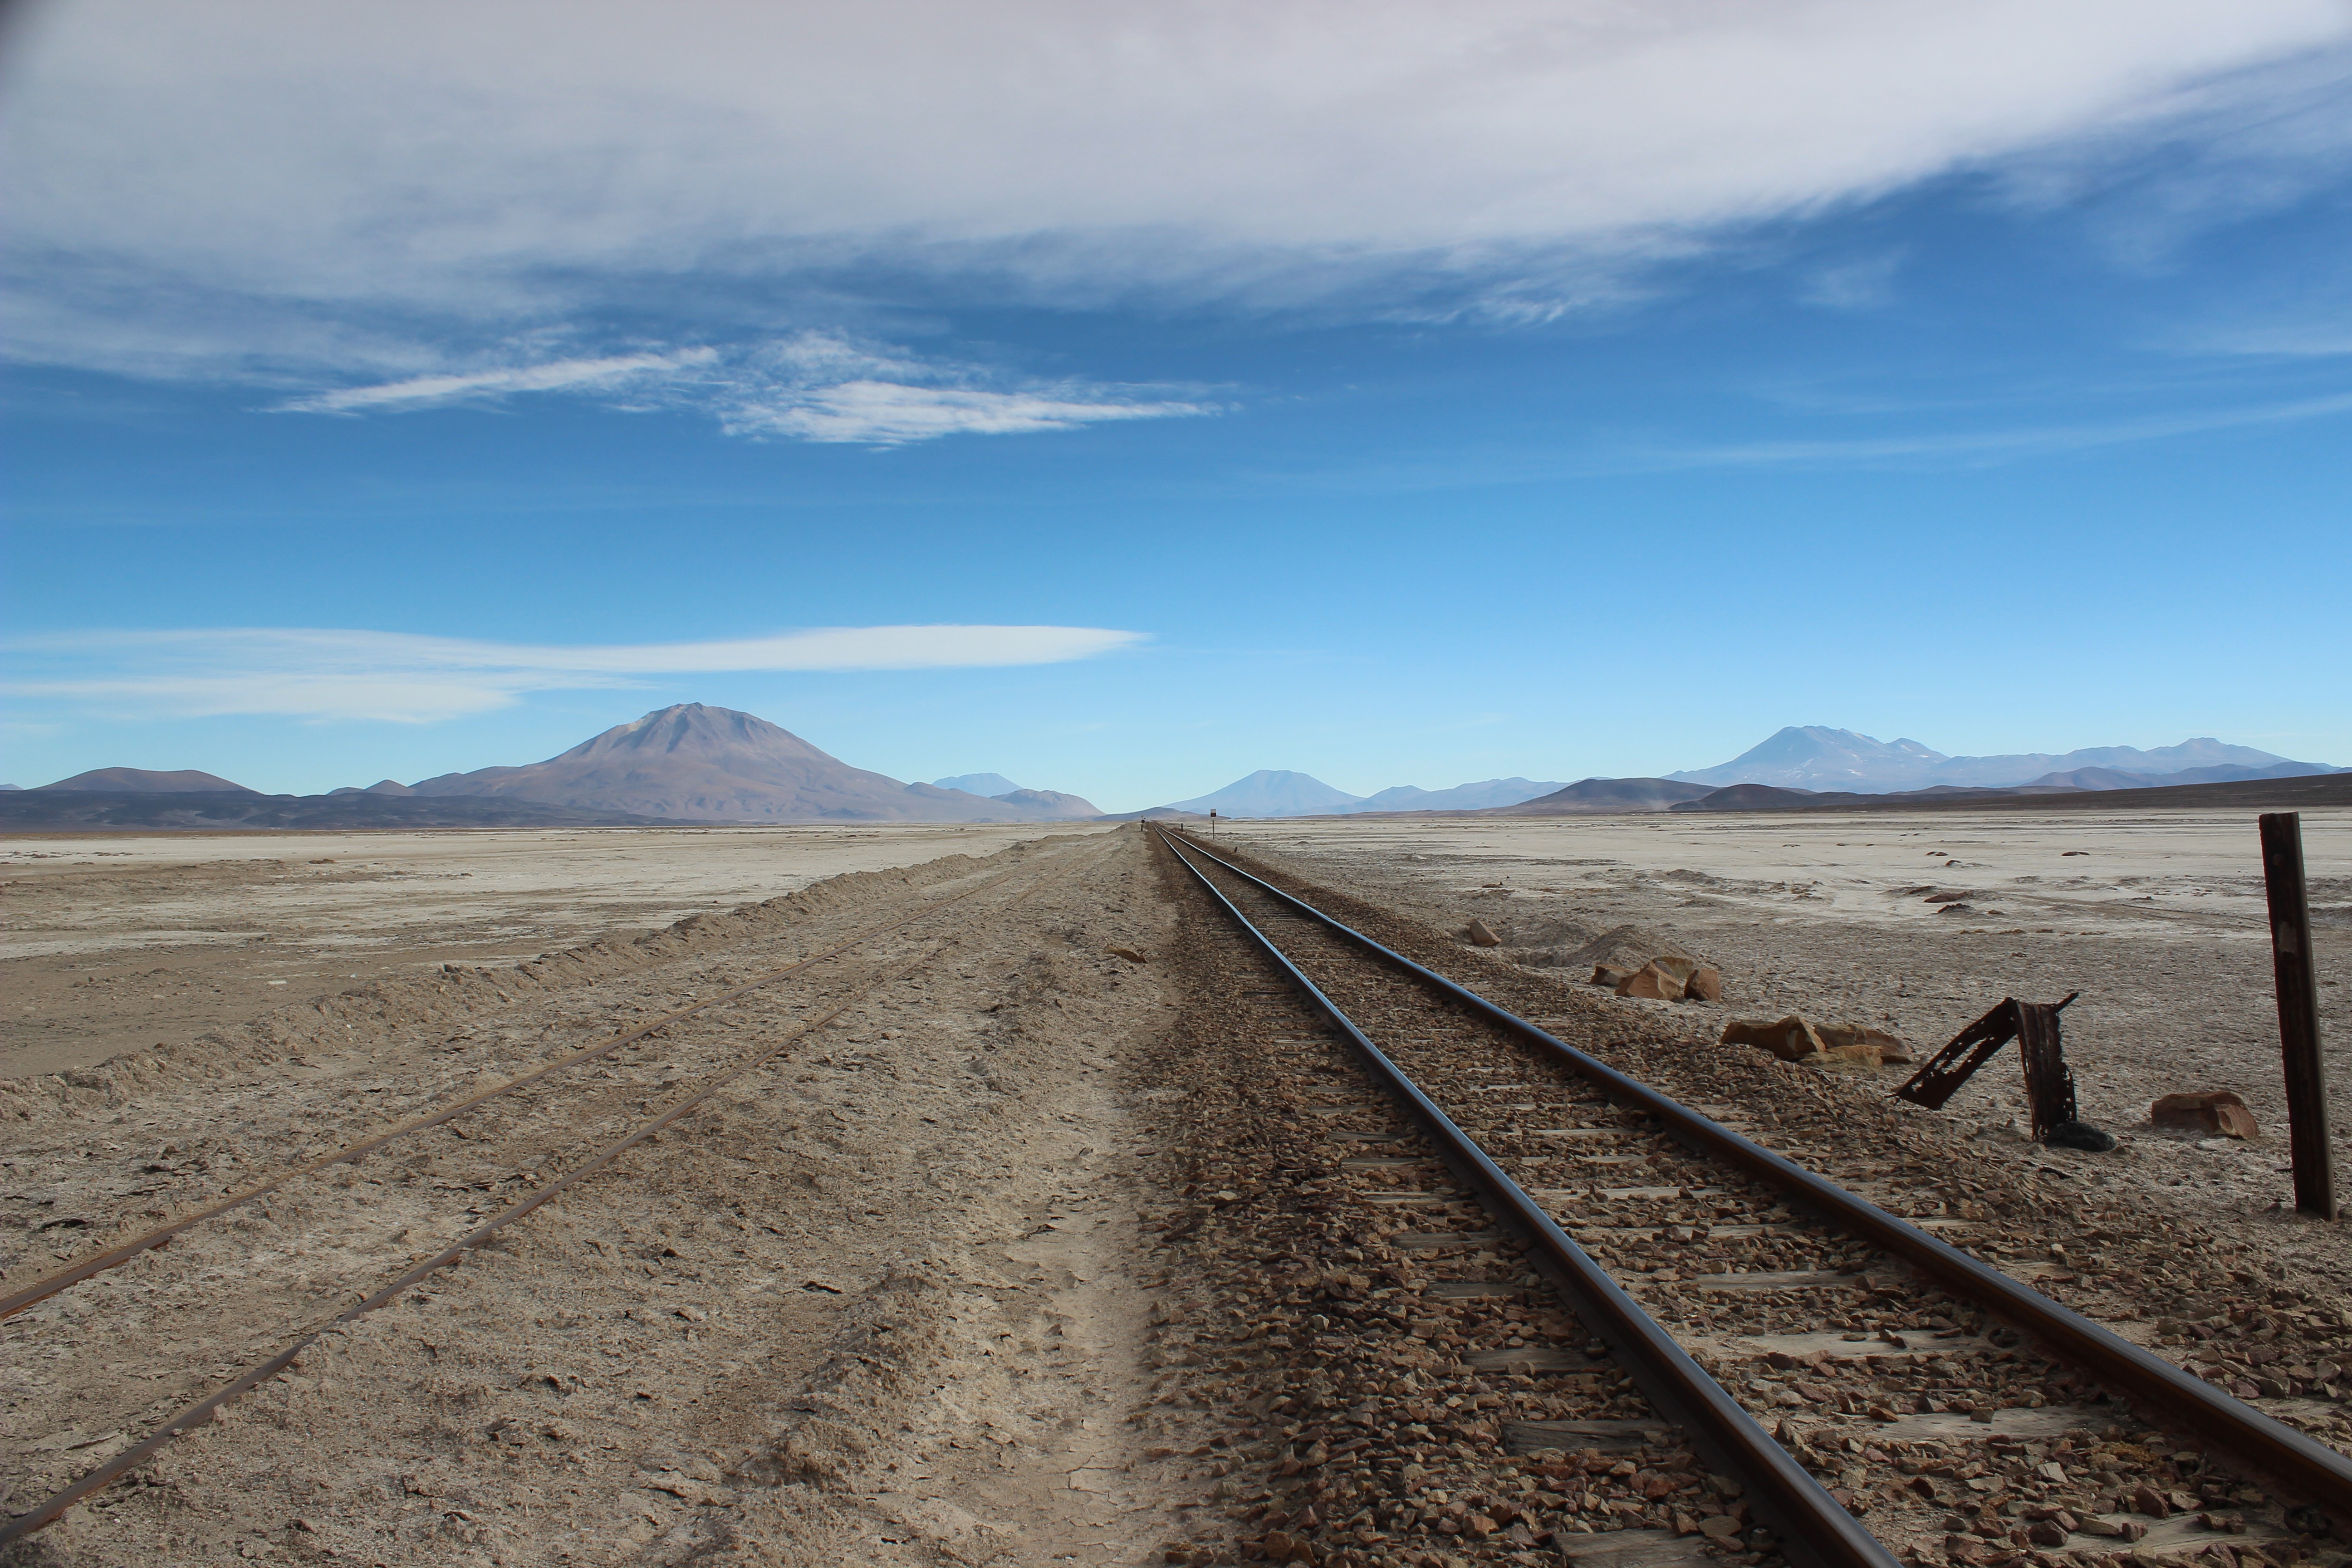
x=981, y=1223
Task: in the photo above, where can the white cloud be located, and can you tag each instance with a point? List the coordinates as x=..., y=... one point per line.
x=555, y=376
x=403, y=677
x=397, y=182
x=812, y=386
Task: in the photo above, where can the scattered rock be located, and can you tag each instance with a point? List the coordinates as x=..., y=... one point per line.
x=1887, y=1047
x=2214, y=1111
x=1790, y=1039
x=1626, y=947
x=1481, y=936
x=1794, y=1040
x=1653, y=982
x=1705, y=984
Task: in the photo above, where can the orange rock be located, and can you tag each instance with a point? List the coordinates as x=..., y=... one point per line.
x=1481, y=936
x=1705, y=984
x=1610, y=975
x=1790, y=1039
x=1651, y=983
x=2215, y=1110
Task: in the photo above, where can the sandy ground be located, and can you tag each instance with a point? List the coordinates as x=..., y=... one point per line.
x=112, y=942
x=2156, y=918
x=990, y=1239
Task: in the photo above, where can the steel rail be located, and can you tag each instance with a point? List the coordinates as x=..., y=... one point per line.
x=47, y=1510
x=41, y=1289
x=2305, y=1469
x=1813, y=1530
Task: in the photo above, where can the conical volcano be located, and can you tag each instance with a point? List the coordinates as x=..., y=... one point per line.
x=714, y=764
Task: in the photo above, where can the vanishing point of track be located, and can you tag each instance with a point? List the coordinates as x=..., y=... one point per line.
x=1318, y=954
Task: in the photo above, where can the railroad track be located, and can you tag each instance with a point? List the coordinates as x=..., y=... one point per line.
x=547, y=1159
x=1606, y=1165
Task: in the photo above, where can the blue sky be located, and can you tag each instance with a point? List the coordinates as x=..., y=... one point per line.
x=1362, y=391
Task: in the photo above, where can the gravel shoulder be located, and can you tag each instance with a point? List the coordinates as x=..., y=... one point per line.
x=2158, y=919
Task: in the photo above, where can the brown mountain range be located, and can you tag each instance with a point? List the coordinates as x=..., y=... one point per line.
x=698, y=764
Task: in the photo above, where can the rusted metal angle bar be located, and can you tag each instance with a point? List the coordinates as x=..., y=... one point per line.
x=2295, y=1464
x=1813, y=1529
x=74, y=1274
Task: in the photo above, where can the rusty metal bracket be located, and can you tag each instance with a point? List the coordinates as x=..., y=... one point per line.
x=1977, y=1044
x=2049, y=1084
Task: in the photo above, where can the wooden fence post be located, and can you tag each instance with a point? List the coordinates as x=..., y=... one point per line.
x=2298, y=1010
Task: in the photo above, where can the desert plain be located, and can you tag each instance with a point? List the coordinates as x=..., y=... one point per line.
x=988, y=1236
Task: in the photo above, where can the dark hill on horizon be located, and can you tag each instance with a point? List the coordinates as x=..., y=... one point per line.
x=89, y=811
x=1601, y=797
x=690, y=762
x=144, y=780
x=2301, y=792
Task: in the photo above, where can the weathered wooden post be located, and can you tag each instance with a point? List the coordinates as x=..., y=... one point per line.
x=2298, y=1009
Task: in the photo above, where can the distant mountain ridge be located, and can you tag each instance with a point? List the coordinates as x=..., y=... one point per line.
x=989, y=786
x=1270, y=791
x=1479, y=796
x=690, y=762
x=143, y=781
x=1817, y=757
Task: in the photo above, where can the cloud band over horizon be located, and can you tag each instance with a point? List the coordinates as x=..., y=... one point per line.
x=387, y=208
x=400, y=677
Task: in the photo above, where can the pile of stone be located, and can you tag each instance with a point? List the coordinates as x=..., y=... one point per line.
x=1666, y=978
x=1798, y=1039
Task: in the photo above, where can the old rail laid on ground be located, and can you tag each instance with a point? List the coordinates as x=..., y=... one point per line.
x=2294, y=1463
x=197, y=1414
x=1814, y=1531
x=74, y=1273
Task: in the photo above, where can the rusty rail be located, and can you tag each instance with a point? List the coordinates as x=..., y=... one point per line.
x=2295, y=1464
x=172, y=1427
x=1813, y=1530
x=41, y=1289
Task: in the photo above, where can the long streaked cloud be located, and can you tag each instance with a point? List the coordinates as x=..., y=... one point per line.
x=811, y=386
x=1948, y=448
x=406, y=185
x=402, y=677
x=611, y=372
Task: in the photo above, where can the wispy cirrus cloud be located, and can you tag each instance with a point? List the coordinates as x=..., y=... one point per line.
x=339, y=180
x=607, y=373
x=1975, y=446
x=824, y=387
x=398, y=677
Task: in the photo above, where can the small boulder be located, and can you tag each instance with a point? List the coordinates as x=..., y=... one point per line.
x=1481, y=936
x=1129, y=954
x=1790, y=1039
x=1613, y=975
x=1884, y=1046
x=2215, y=1110
x=1796, y=1039
x=1653, y=982
x=1705, y=984
x=2080, y=1135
